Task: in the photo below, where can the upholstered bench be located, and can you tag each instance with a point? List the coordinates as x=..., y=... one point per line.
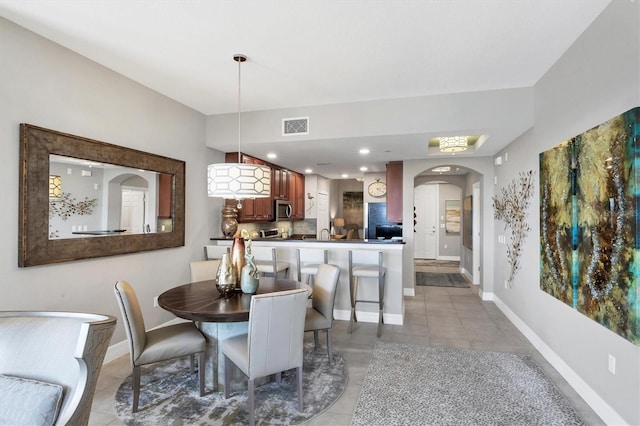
x=49, y=365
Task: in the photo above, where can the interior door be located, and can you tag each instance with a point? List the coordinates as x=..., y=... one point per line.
x=426, y=212
x=133, y=211
x=323, y=214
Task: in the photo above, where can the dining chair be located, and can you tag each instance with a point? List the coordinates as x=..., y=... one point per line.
x=320, y=315
x=266, y=260
x=308, y=260
x=159, y=344
x=215, y=252
x=273, y=342
x=202, y=270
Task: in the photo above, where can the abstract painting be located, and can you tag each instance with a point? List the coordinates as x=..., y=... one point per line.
x=589, y=238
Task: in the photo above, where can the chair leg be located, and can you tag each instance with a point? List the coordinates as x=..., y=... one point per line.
x=192, y=363
x=227, y=380
x=201, y=368
x=299, y=374
x=329, y=346
x=136, y=388
x=251, y=402
x=315, y=338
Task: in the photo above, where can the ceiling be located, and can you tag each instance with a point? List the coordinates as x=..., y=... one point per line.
x=305, y=53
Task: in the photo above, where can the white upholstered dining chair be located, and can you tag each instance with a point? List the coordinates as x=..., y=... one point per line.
x=273, y=343
x=202, y=270
x=320, y=315
x=159, y=344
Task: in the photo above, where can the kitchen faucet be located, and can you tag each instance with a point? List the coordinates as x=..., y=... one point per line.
x=322, y=234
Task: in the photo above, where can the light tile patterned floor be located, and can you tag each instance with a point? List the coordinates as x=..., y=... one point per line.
x=435, y=316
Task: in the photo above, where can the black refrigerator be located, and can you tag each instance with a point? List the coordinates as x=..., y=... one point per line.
x=378, y=225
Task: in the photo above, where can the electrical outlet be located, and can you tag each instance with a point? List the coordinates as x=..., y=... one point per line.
x=155, y=302
x=612, y=364
x=506, y=284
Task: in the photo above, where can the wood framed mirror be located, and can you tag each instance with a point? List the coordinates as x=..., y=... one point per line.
x=61, y=221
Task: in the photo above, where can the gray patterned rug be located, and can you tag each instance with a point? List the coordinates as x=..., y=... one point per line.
x=412, y=384
x=169, y=395
x=438, y=279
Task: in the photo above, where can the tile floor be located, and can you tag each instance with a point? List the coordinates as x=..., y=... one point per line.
x=436, y=316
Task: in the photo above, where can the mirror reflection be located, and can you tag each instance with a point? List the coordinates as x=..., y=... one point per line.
x=88, y=198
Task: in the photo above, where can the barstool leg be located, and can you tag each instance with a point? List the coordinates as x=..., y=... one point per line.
x=354, y=295
x=380, y=303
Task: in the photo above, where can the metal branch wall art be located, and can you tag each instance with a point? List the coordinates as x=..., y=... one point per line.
x=512, y=208
x=589, y=233
x=66, y=206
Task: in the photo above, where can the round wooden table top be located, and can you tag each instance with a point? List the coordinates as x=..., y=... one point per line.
x=201, y=301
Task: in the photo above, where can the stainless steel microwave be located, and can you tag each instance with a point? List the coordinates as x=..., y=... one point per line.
x=282, y=209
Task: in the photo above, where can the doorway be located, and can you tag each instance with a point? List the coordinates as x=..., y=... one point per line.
x=426, y=219
x=133, y=211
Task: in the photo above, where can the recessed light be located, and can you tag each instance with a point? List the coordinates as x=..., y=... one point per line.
x=364, y=151
x=271, y=155
x=441, y=169
x=363, y=169
x=308, y=171
x=344, y=175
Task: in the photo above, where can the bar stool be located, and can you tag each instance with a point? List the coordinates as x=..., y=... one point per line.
x=266, y=261
x=308, y=261
x=366, y=270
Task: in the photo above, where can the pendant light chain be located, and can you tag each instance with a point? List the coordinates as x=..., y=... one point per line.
x=240, y=60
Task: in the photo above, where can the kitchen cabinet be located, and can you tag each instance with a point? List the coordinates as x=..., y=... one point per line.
x=280, y=182
x=296, y=195
x=253, y=209
x=165, y=195
x=394, y=191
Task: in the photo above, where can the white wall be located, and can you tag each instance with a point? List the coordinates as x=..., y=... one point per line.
x=595, y=80
x=44, y=84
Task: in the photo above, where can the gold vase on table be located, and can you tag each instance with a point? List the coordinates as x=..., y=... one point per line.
x=237, y=257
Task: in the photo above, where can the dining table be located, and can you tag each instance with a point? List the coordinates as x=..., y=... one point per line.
x=219, y=318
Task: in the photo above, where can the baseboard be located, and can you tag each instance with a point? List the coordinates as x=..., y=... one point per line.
x=122, y=348
x=599, y=406
x=466, y=274
x=454, y=258
x=362, y=316
x=408, y=291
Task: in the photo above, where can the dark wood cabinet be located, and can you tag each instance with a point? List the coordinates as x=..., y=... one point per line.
x=296, y=195
x=253, y=209
x=280, y=179
x=285, y=185
x=394, y=191
x=165, y=195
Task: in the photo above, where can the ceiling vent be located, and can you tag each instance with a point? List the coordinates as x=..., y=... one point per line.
x=295, y=126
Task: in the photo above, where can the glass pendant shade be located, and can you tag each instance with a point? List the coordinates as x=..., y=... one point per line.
x=453, y=143
x=239, y=180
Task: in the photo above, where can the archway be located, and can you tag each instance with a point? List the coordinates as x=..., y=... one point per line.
x=464, y=173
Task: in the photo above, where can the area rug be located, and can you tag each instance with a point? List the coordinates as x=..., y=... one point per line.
x=438, y=279
x=169, y=395
x=411, y=384
x=436, y=262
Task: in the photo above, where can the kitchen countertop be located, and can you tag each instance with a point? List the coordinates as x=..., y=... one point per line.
x=314, y=240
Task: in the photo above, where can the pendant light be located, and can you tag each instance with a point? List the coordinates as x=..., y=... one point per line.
x=453, y=143
x=239, y=180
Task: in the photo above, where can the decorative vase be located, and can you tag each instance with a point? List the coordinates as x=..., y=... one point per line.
x=237, y=257
x=226, y=278
x=229, y=224
x=249, y=278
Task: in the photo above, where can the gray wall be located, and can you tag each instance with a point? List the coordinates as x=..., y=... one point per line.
x=44, y=84
x=595, y=80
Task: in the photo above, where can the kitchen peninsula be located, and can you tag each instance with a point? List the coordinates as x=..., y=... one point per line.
x=338, y=253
